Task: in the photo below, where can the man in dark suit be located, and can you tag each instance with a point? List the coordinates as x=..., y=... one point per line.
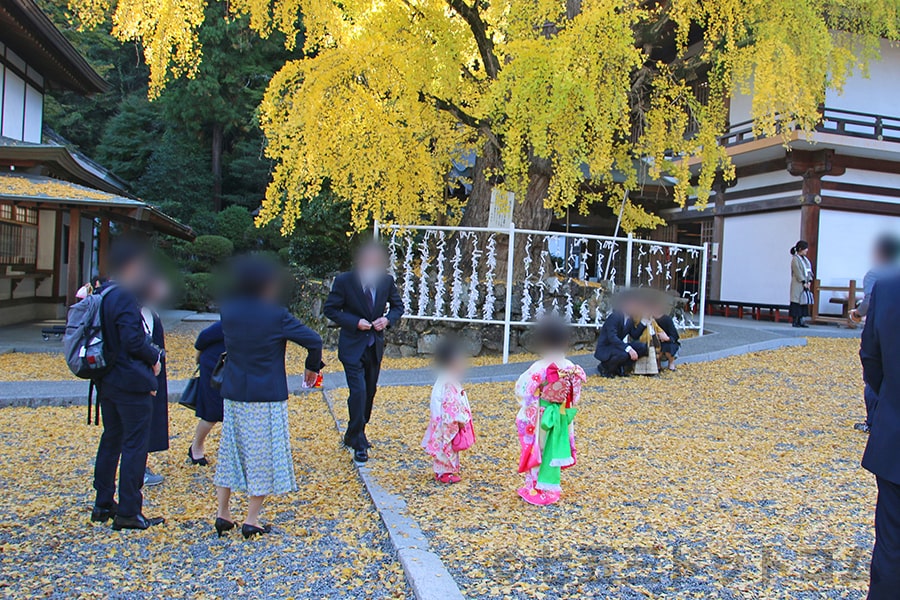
x=880, y=355
x=613, y=352
x=363, y=302
x=126, y=393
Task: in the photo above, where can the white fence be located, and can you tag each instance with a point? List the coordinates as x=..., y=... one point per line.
x=468, y=275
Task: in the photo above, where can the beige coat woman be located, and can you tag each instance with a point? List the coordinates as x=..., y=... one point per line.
x=801, y=274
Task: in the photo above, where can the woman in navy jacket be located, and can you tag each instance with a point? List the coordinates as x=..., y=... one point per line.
x=254, y=450
x=210, y=345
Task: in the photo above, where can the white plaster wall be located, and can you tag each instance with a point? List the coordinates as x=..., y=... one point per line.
x=762, y=180
x=756, y=256
x=845, y=248
x=875, y=94
x=741, y=104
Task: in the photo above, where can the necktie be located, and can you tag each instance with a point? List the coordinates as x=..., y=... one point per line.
x=370, y=302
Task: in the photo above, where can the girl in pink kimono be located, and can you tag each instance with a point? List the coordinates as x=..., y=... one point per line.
x=450, y=414
x=548, y=393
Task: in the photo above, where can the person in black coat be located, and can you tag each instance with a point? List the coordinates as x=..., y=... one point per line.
x=668, y=338
x=614, y=353
x=210, y=345
x=880, y=356
x=125, y=393
x=155, y=294
x=363, y=302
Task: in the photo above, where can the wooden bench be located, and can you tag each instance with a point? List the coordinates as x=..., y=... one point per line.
x=850, y=294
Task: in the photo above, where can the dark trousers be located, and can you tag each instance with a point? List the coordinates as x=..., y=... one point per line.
x=362, y=379
x=884, y=583
x=621, y=359
x=126, y=434
x=871, y=402
x=797, y=312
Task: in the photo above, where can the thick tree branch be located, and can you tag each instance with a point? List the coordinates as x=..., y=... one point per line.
x=452, y=108
x=478, y=27
x=462, y=116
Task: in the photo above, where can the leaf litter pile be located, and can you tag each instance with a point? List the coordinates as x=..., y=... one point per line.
x=733, y=479
x=330, y=541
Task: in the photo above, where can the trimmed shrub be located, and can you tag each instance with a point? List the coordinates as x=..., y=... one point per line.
x=209, y=251
x=236, y=224
x=199, y=292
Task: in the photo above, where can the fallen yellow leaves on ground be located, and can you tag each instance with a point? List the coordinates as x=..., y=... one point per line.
x=181, y=360
x=330, y=541
x=733, y=479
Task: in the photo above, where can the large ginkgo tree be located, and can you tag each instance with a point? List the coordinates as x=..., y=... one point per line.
x=564, y=102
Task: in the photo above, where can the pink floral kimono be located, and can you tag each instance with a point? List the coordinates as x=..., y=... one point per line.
x=449, y=411
x=548, y=393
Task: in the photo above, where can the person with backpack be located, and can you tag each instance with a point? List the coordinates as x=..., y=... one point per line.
x=126, y=388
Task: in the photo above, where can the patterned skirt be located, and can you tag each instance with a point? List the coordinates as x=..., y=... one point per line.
x=255, y=449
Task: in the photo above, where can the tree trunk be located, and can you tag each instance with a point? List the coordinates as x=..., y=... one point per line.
x=478, y=208
x=218, y=144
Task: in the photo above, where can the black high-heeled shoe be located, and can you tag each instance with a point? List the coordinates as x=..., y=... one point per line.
x=196, y=461
x=248, y=531
x=223, y=526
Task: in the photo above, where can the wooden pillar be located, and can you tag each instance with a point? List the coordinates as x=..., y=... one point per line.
x=714, y=292
x=811, y=165
x=103, y=247
x=73, y=268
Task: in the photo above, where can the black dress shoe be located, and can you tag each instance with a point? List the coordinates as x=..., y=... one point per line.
x=248, y=531
x=102, y=514
x=197, y=461
x=138, y=521
x=223, y=525
x=360, y=456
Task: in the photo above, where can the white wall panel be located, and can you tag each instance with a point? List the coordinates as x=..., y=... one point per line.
x=755, y=255
x=13, y=105
x=34, y=115
x=875, y=94
x=845, y=248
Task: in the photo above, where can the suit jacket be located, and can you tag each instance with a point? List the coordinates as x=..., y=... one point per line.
x=613, y=333
x=346, y=305
x=880, y=355
x=256, y=335
x=127, y=345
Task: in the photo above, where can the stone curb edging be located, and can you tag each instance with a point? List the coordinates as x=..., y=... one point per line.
x=745, y=349
x=426, y=574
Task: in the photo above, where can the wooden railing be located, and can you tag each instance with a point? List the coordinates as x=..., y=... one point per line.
x=840, y=122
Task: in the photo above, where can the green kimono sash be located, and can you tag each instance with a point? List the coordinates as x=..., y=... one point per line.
x=557, y=449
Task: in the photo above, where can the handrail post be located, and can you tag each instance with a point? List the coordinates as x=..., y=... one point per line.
x=629, y=249
x=705, y=268
x=376, y=233
x=510, y=266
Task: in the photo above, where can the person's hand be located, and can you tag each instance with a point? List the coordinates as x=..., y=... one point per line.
x=663, y=336
x=309, y=378
x=632, y=354
x=380, y=323
x=157, y=369
x=855, y=316
x=363, y=325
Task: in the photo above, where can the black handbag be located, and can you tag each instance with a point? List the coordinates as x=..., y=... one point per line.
x=218, y=373
x=191, y=391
